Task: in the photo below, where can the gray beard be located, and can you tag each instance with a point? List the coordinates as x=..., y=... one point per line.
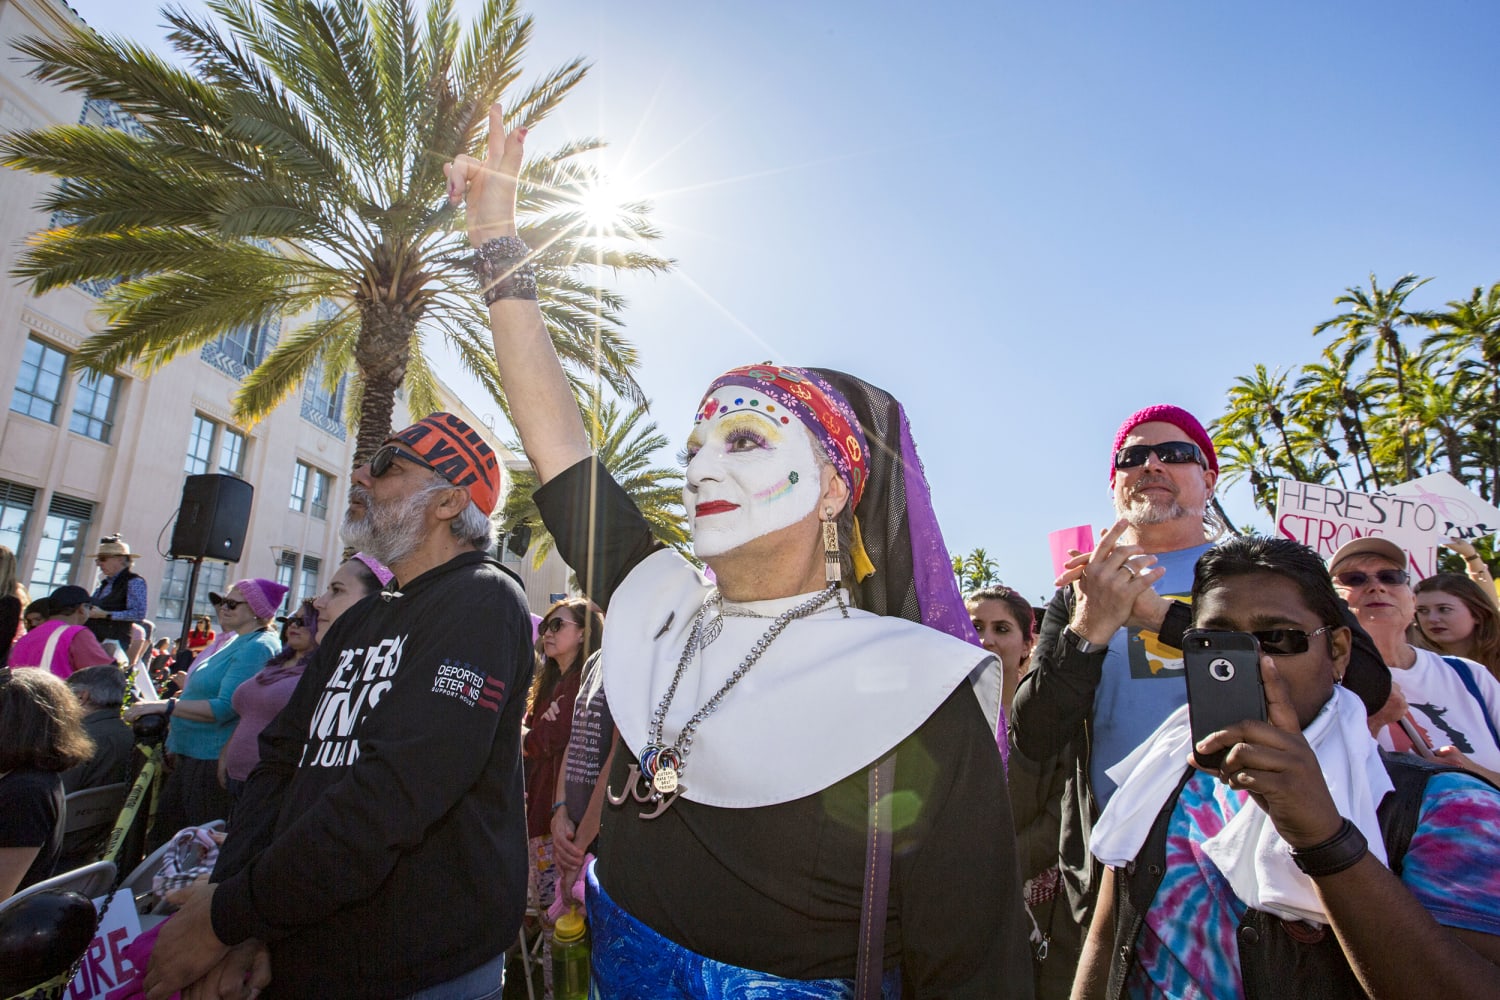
x=389, y=532
x=1141, y=512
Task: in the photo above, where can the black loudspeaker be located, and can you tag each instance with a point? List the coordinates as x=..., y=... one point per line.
x=213, y=518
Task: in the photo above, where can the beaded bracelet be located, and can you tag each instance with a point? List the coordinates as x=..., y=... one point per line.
x=1341, y=851
x=502, y=269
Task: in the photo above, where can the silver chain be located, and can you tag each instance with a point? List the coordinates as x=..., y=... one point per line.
x=684, y=741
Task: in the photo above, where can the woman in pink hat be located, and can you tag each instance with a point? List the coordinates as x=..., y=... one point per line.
x=203, y=717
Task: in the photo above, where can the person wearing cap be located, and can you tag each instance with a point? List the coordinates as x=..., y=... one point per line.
x=1453, y=703
x=62, y=643
x=1106, y=668
x=379, y=847
x=1272, y=875
x=203, y=716
x=120, y=600
x=769, y=720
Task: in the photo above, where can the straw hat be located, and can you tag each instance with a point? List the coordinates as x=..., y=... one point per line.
x=113, y=545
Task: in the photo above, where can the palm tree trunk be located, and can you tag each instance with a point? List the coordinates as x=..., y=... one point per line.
x=380, y=354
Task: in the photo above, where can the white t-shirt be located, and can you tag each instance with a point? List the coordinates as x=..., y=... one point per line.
x=1445, y=711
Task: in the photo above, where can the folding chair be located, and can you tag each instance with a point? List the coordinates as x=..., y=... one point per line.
x=88, y=815
x=92, y=881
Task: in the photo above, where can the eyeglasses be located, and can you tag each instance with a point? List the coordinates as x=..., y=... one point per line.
x=554, y=625
x=298, y=621
x=380, y=462
x=226, y=603
x=1286, y=641
x=1170, y=452
x=1356, y=578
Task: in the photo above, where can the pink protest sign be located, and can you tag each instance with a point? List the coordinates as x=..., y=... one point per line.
x=1063, y=539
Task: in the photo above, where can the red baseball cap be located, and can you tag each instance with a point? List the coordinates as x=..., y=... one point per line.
x=457, y=453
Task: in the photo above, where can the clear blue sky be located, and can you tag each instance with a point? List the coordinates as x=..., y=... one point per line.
x=1026, y=220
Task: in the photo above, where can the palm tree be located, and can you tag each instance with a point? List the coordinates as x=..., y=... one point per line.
x=976, y=570
x=1263, y=396
x=1377, y=316
x=1323, y=392
x=294, y=169
x=1468, y=336
x=625, y=445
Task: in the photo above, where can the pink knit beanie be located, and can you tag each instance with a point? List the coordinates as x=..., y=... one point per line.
x=1167, y=413
x=263, y=596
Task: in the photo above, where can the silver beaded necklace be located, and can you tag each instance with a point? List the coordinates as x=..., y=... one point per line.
x=662, y=764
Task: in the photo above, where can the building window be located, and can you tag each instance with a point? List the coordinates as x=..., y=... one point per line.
x=246, y=345
x=201, y=448
x=64, y=537
x=200, y=445
x=16, y=504
x=322, y=489
x=310, y=567
x=286, y=575
x=40, y=384
x=232, y=452
x=174, y=590
x=300, y=475
x=94, y=406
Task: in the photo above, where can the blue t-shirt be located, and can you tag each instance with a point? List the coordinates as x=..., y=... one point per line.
x=1187, y=946
x=1143, y=680
x=214, y=681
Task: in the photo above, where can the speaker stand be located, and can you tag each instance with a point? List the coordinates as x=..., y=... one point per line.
x=187, y=605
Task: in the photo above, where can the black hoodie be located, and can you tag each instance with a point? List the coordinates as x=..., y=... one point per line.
x=380, y=845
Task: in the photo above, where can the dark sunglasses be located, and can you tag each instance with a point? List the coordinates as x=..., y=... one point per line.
x=225, y=603
x=1170, y=452
x=1358, y=578
x=1286, y=641
x=380, y=462
x=554, y=625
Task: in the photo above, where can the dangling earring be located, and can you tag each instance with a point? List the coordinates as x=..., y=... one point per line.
x=833, y=562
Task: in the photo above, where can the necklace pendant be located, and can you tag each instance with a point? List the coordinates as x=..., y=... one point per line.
x=631, y=780
x=665, y=781
x=712, y=629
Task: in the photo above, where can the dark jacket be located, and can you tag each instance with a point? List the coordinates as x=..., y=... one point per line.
x=380, y=845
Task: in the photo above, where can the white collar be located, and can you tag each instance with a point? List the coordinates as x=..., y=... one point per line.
x=825, y=700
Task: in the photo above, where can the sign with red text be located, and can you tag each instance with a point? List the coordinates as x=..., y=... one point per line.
x=105, y=968
x=1326, y=517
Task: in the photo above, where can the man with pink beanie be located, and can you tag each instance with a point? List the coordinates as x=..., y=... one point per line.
x=1106, y=671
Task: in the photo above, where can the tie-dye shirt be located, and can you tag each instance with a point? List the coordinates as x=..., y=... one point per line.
x=1187, y=948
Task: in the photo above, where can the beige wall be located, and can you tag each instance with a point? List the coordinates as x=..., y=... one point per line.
x=134, y=481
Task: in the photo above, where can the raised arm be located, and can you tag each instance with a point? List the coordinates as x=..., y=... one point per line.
x=541, y=404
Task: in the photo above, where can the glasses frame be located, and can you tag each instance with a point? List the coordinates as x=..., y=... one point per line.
x=555, y=625
x=1386, y=578
x=228, y=603
x=1133, y=456
x=380, y=462
x=1267, y=637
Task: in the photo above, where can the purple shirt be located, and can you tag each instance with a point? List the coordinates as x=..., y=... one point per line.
x=257, y=705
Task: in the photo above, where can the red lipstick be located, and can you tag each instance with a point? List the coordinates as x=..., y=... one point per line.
x=714, y=507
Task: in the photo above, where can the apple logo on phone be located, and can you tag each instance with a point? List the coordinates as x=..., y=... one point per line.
x=1221, y=669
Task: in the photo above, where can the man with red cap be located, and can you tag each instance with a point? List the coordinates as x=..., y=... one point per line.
x=388, y=800
x=1102, y=676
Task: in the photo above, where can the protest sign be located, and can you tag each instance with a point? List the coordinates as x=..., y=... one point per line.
x=1063, y=539
x=1325, y=517
x=1462, y=513
x=104, y=967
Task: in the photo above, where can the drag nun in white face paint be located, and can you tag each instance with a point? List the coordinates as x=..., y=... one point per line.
x=807, y=799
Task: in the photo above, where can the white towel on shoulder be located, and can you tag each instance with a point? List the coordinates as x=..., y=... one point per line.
x=1248, y=851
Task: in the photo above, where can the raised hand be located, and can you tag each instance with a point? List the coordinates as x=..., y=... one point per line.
x=1274, y=763
x=1110, y=581
x=488, y=187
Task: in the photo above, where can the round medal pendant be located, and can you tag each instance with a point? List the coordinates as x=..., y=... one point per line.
x=665, y=781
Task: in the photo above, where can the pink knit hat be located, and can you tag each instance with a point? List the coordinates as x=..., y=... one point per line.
x=263, y=596
x=1167, y=413
x=381, y=570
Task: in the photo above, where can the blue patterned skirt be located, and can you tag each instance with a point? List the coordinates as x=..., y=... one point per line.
x=630, y=961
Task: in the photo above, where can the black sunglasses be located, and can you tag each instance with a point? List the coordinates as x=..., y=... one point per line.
x=225, y=603
x=1170, y=452
x=1358, y=578
x=554, y=625
x=1287, y=641
x=380, y=462
x=298, y=621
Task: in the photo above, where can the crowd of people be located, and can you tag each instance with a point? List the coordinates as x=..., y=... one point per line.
x=809, y=767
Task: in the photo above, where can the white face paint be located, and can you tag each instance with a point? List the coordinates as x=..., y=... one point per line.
x=751, y=470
